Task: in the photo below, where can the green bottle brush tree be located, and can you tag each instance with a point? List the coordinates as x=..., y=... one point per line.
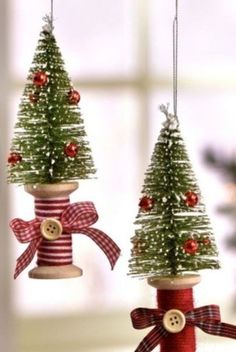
x=49, y=145
x=174, y=235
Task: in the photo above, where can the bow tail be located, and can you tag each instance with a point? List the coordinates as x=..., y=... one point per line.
x=152, y=339
x=105, y=243
x=218, y=329
x=26, y=257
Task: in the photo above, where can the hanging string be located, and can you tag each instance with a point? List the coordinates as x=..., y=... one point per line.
x=52, y=13
x=49, y=20
x=175, y=59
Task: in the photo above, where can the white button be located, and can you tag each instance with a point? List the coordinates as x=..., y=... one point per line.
x=174, y=321
x=51, y=229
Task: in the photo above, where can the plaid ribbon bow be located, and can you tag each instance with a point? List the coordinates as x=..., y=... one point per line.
x=206, y=318
x=75, y=218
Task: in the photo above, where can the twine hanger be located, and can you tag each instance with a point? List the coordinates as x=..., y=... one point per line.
x=175, y=59
x=52, y=5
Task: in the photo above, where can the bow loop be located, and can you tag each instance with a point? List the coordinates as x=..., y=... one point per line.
x=143, y=317
x=206, y=313
x=78, y=216
x=26, y=231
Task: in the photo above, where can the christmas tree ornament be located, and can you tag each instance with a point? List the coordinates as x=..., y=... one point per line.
x=71, y=149
x=137, y=247
x=190, y=246
x=40, y=160
x=206, y=241
x=146, y=203
x=173, y=230
x=191, y=199
x=33, y=97
x=14, y=158
x=74, y=96
x=40, y=78
x=173, y=237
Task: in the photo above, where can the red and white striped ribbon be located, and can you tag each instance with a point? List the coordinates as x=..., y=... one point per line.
x=57, y=252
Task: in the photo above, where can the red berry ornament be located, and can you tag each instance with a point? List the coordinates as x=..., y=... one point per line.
x=40, y=78
x=136, y=250
x=191, y=246
x=71, y=149
x=146, y=203
x=33, y=98
x=206, y=241
x=14, y=158
x=191, y=199
x=73, y=96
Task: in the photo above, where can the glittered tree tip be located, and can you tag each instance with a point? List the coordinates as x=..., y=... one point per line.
x=171, y=121
x=48, y=27
x=164, y=108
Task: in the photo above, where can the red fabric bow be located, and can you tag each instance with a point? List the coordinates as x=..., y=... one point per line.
x=206, y=318
x=75, y=218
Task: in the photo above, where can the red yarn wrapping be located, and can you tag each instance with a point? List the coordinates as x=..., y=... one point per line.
x=184, y=341
x=58, y=252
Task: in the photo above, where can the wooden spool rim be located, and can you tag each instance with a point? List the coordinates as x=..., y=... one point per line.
x=51, y=190
x=55, y=272
x=174, y=282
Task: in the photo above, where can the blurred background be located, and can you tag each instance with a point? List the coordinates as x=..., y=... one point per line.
x=118, y=54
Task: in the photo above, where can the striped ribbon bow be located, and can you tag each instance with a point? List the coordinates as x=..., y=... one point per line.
x=75, y=218
x=206, y=318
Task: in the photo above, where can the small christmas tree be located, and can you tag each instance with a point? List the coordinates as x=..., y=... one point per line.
x=174, y=241
x=49, y=144
x=48, y=152
x=175, y=236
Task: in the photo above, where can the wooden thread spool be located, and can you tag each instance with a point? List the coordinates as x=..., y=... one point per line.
x=176, y=293
x=54, y=254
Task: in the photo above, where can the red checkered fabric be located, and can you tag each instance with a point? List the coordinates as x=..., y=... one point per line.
x=75, y=218
x=206, y=318
x=26, y=231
